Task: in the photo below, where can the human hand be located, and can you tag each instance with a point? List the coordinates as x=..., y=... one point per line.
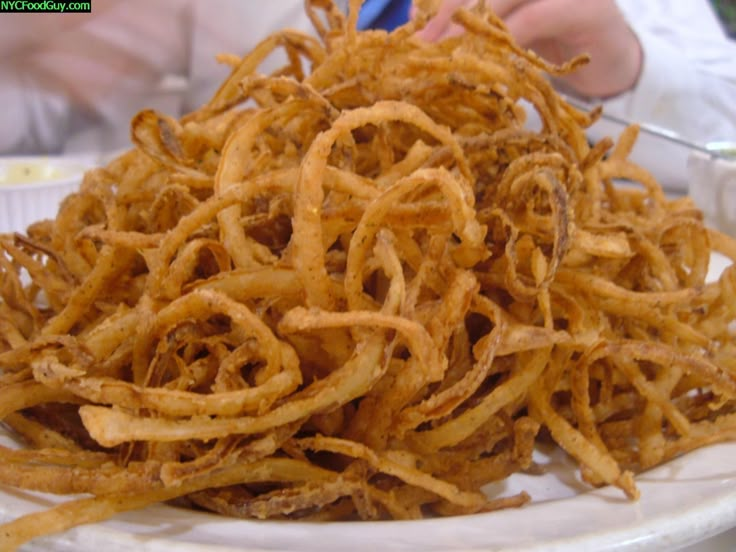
x=559, y=30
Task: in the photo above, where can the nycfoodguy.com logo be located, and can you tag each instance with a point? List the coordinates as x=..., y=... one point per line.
x=30, y=6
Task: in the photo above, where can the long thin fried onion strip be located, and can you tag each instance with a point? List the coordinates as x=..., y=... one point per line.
x=360, y=287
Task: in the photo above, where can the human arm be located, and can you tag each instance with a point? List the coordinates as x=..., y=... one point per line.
x=77, y=86
x=235, y=27
x=35, y=113
x=559, y=30
x=685, y=79
x=59, y=80
x=33, y=119
x=688, y=78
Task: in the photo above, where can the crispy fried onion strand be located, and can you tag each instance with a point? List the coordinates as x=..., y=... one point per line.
x=358, y=288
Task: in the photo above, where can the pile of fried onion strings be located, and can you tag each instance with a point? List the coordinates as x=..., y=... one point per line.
x=362, y=287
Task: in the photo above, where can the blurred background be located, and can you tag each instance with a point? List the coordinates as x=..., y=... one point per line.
x=726, y=10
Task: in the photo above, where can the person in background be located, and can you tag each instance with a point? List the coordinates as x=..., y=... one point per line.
x=71, y=82
x=383, y=14
x=667, y=63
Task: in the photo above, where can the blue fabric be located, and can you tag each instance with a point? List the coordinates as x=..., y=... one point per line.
x=383, y=14
x=369, y=12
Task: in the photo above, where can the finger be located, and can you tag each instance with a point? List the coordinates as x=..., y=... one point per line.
x=541, y=20
x=503, y=8
x=441, y=24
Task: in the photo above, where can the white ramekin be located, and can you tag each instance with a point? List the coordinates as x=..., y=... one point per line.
x=51, y=179
x=713, y=185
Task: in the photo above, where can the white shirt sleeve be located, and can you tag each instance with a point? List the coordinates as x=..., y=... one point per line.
x=235, y=27
x=72, y=84
x=85, y=77
x=33, y=117
x=90, y=75
x=688, y=79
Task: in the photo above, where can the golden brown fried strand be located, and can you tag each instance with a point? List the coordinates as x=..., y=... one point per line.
x=364, y=285
x=15, y=397
x=309, y=195
x=385, y=464
x=111, y=264
x=38, y=436
x=87, y=510
x=169, y=402
x=598, y=461
x=528, y=370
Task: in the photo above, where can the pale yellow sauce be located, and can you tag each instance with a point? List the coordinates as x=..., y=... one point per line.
x=26, y=173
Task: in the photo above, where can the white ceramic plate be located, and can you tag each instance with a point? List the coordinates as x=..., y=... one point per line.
x=682, y=502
